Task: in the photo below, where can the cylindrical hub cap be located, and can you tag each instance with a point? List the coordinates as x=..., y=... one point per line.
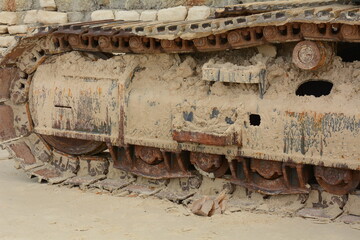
x=310, y=55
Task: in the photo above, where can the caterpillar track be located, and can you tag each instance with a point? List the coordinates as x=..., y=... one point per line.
x=99, y=103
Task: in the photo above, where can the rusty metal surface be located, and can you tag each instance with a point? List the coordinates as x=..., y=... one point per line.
x=337, y=181
x=74, y=146
x=7, y=130
x=269, y=177
x=51, y=175
x=65, y=162
x=78, y=107
x=149, y=155
x=7, y=75
x=203, y=138
x=210, y=163
x=23, y=152
x=168, y=165
x=93, y=166
x=310, y=55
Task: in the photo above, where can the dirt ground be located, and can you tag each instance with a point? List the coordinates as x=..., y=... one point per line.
x=30, y=210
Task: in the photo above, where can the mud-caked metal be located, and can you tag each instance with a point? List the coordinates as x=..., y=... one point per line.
x=268, y=121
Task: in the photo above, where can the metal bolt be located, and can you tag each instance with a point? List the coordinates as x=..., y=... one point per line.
x=309, y=55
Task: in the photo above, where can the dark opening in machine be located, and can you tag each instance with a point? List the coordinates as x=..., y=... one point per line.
x=316, y=88
x=349, y=52
x=255, y=119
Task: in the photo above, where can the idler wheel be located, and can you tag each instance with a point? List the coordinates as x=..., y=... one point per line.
x=336, y=180
x=309, y=55
x=267, y=169
x=149, y=155
x=210, y=163
x=74, y=146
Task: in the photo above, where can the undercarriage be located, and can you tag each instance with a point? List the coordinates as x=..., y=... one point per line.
x=264, y=99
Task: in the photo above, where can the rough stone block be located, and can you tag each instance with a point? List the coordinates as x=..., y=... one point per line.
x=87, y=17
x=116, y=4
x=48, y=5
x=23, y=5
x=76, y=5
x=31, y=17
x=75, y=16
x=18, y=29
x=16, y=5
x=172, y=14
x=8, y=18
x=7, y=41
x=47, y=17
x=222, y=3
x=127, y=15
x=3, y=28
x=102, y=15
x=148, y=15
x=198, y=13
x=153, y=4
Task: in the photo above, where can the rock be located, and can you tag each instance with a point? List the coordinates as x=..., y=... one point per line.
x=7, y=41
x=76, y=6
x=8, y=18
x=48, y=5
x=207, y=206
x=172, y=14
x=48, y=17
x=127, y=15
x=2, y=155
x=198, y=13
x=18, y=29
x=116, y=4
x=152, y=4
x=31, y=17
x=16, y=5
x=3, y=28
x=148, y=15
x=87, y=17
x=267, y=50
x=197, y=206
x=75, y=16
x=222, y=3
x=102, y=15
x=353, y=205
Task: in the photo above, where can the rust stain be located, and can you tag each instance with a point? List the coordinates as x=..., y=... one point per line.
x=22, y=151
x=195, y=2
x=7, y=75
x=7, y=130
x=203, y=138
x=9, y=5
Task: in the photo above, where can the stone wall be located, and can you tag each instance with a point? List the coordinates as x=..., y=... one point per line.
x=92, y=5
x=18, y=16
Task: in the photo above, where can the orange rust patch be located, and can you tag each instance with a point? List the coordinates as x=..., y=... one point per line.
x=9, y=5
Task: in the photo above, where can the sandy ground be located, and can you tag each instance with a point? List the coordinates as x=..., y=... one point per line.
x=30, y=210
x=3, y=154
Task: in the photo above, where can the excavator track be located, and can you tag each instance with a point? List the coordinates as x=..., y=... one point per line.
x=59, y=148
